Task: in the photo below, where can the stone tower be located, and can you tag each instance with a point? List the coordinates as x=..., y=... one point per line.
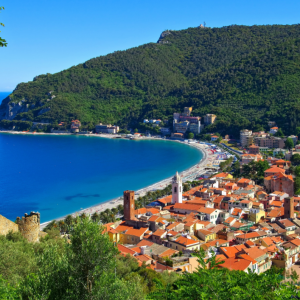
x=176, y=189
x=129, y=205
x=289, y=207
x=29, y=226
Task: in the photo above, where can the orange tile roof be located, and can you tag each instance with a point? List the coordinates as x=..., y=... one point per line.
x=229, y=251
x=239, y=247
x=159, y=232
x=168, y=253
x=249, y=243
x=229, y=220
x=153, y=210
x=165, y=200
x=125, y=250
x=275, y=170
x=185, y=241
x=136, y=232
x=221, y=175
x=276, y=203
x=254, y=252
x=286, y=223
x=191, y=207
x=143, y=257
x=247, y=257
x=207, y=210
x=122, y=227
x=140, y=211
x=153, y=218
x=173, y=225
x=205, y=232
x=144, y=243
x=268, y=241
x=295, y=242
x=249, y=235
x=220, y=257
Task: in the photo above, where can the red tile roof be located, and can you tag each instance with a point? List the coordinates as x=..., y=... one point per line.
x=238, y=264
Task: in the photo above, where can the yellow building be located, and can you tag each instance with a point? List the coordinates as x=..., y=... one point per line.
x=206, y=235
x=256, y=214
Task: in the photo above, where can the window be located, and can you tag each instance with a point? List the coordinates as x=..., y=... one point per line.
x=175, y=189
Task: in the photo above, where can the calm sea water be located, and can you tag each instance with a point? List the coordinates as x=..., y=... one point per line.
x=57, y=175
x=3, y=95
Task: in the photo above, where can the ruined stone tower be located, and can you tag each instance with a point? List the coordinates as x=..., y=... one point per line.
x=129, y=205
x=29, y=226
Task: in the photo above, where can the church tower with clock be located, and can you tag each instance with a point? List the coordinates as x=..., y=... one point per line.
x=129, y=205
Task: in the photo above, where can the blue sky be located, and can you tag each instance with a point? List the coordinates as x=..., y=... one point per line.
x=50, y=36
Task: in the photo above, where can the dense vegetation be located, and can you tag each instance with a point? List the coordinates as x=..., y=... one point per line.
x=88, y=266
x=245, y=75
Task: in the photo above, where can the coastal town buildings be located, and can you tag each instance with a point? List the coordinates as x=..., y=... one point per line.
x=185, y=122
x=101, y=128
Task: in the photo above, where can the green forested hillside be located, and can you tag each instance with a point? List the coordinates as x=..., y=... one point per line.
x=245, y=75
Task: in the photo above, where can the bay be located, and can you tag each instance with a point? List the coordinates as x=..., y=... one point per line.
x=58, y=175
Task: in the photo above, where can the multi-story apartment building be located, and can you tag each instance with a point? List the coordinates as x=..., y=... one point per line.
x=246, y=137
x=269, y=141
x=184, y=122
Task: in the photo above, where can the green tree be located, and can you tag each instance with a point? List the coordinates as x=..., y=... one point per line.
x=297, y=185
x=289, y=144
x=297, y=171
x=190, y=136
x=279, y=133
x=295, y=159
x=2, y=41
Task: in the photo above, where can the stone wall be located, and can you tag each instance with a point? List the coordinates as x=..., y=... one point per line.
x=7, y=225
x=29, y=226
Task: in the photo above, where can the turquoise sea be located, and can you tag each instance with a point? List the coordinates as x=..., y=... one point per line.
x=57, y=175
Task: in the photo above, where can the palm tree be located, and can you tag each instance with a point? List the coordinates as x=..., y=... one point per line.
x=69, y=220
x=62, y=225
x=114, y=210
x=95, y=217
x=83, y=216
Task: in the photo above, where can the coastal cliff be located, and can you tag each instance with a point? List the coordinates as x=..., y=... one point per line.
x=246, y=75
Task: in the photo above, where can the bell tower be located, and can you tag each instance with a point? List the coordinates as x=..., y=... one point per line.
x=176, y=189
x=129, y=205
x=289, y=207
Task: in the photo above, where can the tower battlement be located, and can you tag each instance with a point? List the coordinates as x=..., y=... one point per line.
x=29, y=226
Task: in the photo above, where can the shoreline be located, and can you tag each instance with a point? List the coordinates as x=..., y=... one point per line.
x=187, y=175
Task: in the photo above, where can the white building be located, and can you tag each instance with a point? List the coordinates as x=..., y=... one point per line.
x=176, y=189
x=273, y=130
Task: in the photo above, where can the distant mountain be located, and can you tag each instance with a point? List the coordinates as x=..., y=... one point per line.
x=245, y=75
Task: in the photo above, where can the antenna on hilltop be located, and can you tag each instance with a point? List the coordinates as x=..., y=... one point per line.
x=204, y=24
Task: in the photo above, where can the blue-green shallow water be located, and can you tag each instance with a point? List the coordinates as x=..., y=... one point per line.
x=57, y=175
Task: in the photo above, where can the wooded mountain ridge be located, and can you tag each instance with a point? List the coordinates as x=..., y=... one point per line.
x=246, y=75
